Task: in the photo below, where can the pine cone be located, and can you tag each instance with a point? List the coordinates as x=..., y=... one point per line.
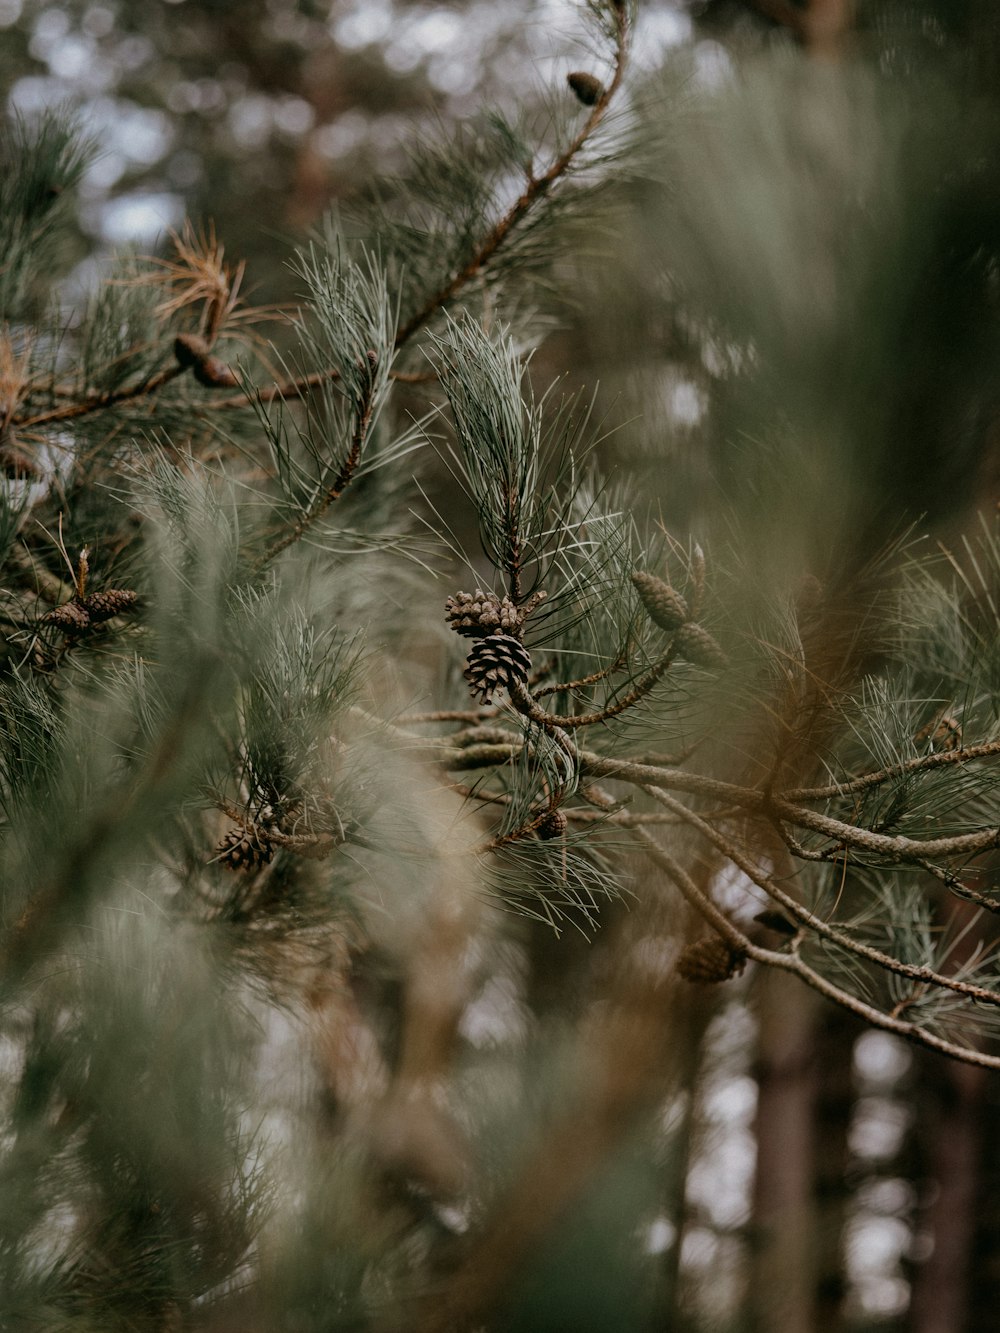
x=72, y=617
x=710, y=960
x=194, y=354
x=495, y=663
x=664, y=605
x=111, y=602
x=476, y=614
x=244, y=849
x=944, y=733
x=553, y=825
x=588, y=89
x=694, y=643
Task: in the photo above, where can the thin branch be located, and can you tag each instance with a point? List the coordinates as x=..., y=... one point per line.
x=536, y=188
x=940, y=759
x=334, y=492
x=638, y=692
x=100, y=402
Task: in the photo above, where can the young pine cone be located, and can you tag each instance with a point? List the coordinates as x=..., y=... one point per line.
x=664, y=605
x=494, y=664
x=695, y=644
x=476, y=614
x=588, y=89
x=710, y=960
x=244, y=849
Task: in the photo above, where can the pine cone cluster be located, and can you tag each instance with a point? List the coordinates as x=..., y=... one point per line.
x=476, y=614
x=496, y=663
x=667, y=608
x=79, y=614
x=710, y=960
x=244, y=849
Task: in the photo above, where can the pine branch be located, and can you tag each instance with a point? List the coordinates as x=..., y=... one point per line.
x=739, y=942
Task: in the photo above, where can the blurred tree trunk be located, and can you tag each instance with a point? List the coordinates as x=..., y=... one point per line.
x=953, y=1112
x=953, y=1118
x=984, y=1272
x=835, y=1099
x=783, y=1258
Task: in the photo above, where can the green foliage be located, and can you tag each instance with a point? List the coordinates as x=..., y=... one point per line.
x=259, y=909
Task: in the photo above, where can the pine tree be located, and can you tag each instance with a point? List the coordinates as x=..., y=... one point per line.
x=296, y=769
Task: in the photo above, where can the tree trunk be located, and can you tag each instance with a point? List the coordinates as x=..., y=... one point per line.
x=782, y=1276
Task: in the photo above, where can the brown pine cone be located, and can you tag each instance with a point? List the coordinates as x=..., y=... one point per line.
x=194, y=354
x=588, y=89
x=664, y=605
x=710, y=960
x=495, y=663
x=244, y=849
x=694, y=643
x=944, y=733
x=553, y=825
x=72, y=617
x=111, y=602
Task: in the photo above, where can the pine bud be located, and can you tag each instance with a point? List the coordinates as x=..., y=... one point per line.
x=710, y=960
x=664, y=605
x=588, y=89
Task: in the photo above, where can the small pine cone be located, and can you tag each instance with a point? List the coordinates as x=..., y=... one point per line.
x=664, y=605
x=72, y=617
x=112, y=602
x=495, y=663
x=694, y=643
x=476, y=614
x=588, y=89
x=709, y=960
x=944, y=733
x=553, y=825
x=194, y=354
x=244, y=849
x=189, y=349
